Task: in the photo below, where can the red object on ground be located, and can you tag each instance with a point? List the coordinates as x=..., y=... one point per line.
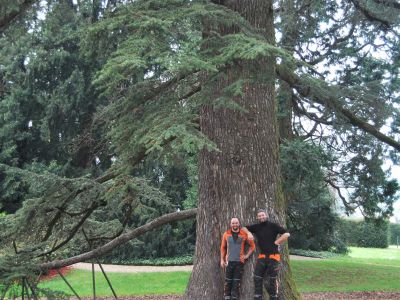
x=53, y=273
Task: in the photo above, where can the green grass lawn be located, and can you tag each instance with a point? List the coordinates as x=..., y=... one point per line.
x=364, y=269
x=344, y=275
x=124, y=284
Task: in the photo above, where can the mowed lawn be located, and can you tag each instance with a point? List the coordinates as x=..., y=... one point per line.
x=124, y=284
x=364, y=269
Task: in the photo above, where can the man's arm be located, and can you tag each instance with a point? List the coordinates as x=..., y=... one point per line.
x=223, y=262
x=249, y=234
x=282, y=238
x=251, y=248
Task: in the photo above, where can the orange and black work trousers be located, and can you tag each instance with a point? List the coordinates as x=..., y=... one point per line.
x=233, y=275
x=266, y=265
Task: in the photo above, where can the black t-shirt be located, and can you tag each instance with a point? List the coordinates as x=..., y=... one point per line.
x=235, y=235
x=266, y=233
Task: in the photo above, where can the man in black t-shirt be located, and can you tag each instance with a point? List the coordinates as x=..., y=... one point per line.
x=269, y=257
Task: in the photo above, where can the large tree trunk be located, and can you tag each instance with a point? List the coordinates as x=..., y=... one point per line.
x=244, y=176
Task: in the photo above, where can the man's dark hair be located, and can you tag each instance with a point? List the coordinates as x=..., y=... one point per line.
x=261, y=210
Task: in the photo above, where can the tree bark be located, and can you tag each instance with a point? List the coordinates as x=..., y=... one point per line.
x=245, y=175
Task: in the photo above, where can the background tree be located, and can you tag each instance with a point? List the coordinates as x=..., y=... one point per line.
x=52, y=102
x=394, y=234
x=366, y=233
x=311, y=214
x=48, y=106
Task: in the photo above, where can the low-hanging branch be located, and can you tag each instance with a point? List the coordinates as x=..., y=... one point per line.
x=74, y=230
x=95, y=253
x=305, y=89
x=60, y=211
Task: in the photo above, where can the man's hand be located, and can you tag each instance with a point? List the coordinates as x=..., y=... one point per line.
x=282, y=238
x=223, y=264
x=244, y=257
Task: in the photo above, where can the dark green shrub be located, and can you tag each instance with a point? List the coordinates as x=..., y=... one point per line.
x=161, y=261
x=317, y=254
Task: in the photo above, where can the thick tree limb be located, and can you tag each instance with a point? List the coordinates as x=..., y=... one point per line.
x=172, y=217
x=106, y=177
x=305, y=89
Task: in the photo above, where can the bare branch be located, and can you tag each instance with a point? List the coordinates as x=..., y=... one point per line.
x=310, y=115
x=344, y=201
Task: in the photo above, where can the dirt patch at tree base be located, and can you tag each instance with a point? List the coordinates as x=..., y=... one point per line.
x=306, y=296
x=351, y=295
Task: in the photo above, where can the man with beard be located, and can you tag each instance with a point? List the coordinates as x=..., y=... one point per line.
x=233, y=258
x=269, y=257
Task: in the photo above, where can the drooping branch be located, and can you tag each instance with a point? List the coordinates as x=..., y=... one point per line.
x=60, y=211
x=74, y=230
x=172, y=217
x=305, y=89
